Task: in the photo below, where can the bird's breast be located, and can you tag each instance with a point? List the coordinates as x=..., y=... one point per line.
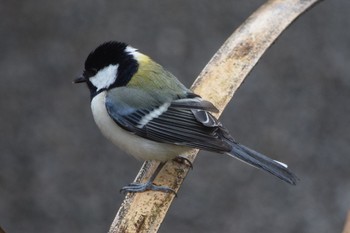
x=132, y=144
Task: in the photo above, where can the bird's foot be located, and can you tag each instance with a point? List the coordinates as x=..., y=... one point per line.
x=183, y=160
x=139, y=187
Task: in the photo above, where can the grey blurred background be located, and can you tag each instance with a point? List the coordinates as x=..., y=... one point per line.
x=59, y=174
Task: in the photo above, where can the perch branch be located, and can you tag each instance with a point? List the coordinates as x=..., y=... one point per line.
x=144, y=212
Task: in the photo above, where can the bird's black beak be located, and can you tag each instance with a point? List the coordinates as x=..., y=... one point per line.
x=80, y=79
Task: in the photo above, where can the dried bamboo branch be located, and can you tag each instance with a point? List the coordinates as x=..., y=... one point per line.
x=144, y=212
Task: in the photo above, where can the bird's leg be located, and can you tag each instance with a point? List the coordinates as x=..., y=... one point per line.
x=141, y=187
x=183, y=160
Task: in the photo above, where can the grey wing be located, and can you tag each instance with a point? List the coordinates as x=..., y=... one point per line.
x=184, y=122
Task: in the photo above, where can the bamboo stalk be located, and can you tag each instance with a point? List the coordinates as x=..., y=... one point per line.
x=144, y=212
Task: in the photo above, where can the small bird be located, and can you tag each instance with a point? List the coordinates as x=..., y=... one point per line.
x=147, y=112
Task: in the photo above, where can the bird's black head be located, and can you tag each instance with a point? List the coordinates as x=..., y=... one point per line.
x=110, y=65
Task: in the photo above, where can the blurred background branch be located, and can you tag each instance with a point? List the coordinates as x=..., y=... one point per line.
x=347, y=224
x=144, y=212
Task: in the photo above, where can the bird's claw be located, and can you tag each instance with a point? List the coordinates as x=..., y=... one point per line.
x=139, y=187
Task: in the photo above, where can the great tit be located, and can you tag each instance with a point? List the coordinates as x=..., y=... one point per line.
x=145, y=111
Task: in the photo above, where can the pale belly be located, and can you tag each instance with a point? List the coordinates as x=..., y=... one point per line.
x=136, y=146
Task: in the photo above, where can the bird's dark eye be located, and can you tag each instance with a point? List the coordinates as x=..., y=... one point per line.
x=90, y=73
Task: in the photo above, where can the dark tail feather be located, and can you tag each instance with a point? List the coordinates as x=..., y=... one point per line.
x=263, y=162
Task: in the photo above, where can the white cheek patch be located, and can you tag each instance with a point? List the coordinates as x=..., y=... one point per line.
x=105, y=77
